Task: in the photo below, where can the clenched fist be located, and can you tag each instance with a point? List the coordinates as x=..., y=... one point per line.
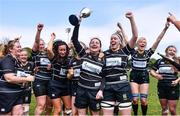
x=40, y=27
x=129, y=15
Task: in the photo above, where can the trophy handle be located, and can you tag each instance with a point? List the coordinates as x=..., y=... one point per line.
x=85, y=12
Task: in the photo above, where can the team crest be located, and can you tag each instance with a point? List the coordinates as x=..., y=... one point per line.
x=124, y=96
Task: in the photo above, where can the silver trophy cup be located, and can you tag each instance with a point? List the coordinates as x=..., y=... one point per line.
x=84, y=13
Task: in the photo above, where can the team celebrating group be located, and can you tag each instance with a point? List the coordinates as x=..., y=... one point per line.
x=73, y=79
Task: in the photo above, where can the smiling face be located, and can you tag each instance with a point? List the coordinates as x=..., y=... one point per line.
x=23, y=56
x=15, y=49
x=171, y=51
x=114, y=42
x=62, y=50
x=41, y=45
x=95, y=45
x=141, y=44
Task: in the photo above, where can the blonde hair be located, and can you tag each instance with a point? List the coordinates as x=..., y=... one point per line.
x=2, y=48
x=140, y=39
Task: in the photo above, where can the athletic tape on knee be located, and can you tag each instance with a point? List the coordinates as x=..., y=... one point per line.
x=142, y=95
x=107, y=105
x=126, y=105
x=135, y=95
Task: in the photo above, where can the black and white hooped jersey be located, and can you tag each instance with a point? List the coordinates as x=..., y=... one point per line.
x=91, y=76
x=166, y=70
x=91, y=72
x=139, y=62
x=9, y=65
x=76, y=65
x=24, y=71
x=116, y=63
x=60, y=69
x=41, y=61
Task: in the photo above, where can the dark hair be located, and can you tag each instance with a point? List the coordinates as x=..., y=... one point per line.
x=172, y=46
x=56, y=45
x=96, y=39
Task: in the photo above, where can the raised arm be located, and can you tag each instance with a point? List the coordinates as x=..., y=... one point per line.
x=173, y=20
x=50, y=52
x=37, y=37
x=132, y=41
x=79, y=49
x=125, y=37
x=175, y=64
x=156, y=43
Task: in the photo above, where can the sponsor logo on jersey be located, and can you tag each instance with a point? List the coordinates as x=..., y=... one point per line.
x=113, y=61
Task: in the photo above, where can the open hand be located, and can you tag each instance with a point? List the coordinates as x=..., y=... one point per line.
x=159, y=77
x=175, y=82
x=48, y=67
x=99, y=95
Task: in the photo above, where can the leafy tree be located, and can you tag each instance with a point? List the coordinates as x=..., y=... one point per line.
x=29, y=50
x=151, y=62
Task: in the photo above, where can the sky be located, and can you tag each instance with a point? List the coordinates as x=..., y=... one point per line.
x=20, y=18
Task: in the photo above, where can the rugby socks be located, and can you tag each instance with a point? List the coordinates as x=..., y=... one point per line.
x=135, y=108
x=144, y=109
x=116, y=110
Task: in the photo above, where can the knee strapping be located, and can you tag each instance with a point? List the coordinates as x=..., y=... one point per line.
x=135, y=95
x=107, y=105
x=125, y=105
x=142, y=95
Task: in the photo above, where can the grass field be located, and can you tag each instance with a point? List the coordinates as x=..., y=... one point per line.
x=153, y=106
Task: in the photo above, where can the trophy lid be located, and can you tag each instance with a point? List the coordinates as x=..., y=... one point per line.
x=73, y=19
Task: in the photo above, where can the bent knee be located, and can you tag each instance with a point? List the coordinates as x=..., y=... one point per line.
x=135, y=98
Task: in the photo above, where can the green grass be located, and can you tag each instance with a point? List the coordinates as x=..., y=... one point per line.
x=154, y=107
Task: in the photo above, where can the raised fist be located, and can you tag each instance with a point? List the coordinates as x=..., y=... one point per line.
x=53, y=36
x=129, y=15
x=171, y=18
x=40, y=27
